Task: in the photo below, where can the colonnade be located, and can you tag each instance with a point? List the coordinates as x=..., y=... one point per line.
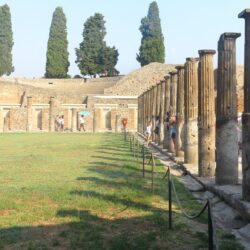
x=206, y=125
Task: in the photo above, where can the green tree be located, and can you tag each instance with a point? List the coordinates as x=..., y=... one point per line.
x=6, y=41
x=152, y=43
x=57, y=63
x=94, y=56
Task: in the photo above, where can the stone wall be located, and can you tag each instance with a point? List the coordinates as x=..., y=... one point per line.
x=88, y=86
x=18, y=119
x=14, y=93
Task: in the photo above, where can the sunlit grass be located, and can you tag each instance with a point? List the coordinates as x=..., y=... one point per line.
x=85, y=191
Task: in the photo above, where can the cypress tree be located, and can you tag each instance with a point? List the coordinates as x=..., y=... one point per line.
x=152, y=43
x=94, y=56
x=6, y=41
x=57, y=50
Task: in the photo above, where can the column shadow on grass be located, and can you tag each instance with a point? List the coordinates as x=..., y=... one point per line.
x=98, y=167
x=105, y=183
x=90, y=232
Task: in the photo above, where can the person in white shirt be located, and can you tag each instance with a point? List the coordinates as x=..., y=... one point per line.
x=148, y=133
x=82, y=123
x=61, y=123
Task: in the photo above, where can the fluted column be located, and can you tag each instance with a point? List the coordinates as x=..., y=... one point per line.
x=118, y=123
x=158, y=99
x=143, y=112
x=226, y=116
x=1, y=120
x=149, y=105
x=29, y=114
x=206, y=114
x=74, y=120
x=191, y=111
x=173, y=91
x=180, y=110
x=167, y=110
x=246, y=114
x=52, y=114
x=148, y=108
x=145, y=108
x=154, y=100
x=161, y=110
x=139, y=113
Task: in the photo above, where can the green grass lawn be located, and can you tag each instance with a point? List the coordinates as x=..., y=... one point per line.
x=85, y=191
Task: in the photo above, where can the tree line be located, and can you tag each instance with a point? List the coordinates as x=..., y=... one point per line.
x=94, y=56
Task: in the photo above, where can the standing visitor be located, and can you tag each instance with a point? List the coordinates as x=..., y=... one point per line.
x=62, y=123
x=172, y=125
x=82, y=123
x=157, y=129
x=148, y=133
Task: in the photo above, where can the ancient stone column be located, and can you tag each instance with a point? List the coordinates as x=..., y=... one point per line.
x=95, y=120
x=161, y=112
x=206, y=114
x=173, y=91
x=118, y=123
x=246, y=114
x=145, y=95
x=74, y=120
x=142, y=118
x=1, y=120
x=154, y=99
x=29, y=114
x=52, y=114
x=191, y=111
x=180, y=110
x=150, y=104
x=146, y=110
x=167, y=109
x=139, y=114
x=226, y=112
x=143, y=111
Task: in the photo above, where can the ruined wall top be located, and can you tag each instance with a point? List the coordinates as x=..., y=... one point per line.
x=141, y=79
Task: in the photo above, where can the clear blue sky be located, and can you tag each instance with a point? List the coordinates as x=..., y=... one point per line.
x=187, y=25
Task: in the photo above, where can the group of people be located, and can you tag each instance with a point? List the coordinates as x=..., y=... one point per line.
x=170, y=123
x=59, y=123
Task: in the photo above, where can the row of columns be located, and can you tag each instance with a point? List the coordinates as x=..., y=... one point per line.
x=206, y=126
x=52, y=115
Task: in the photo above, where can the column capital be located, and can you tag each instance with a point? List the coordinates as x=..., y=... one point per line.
x=233, y=35
x=192, y=59
x=206, y=52
x=172, y=73
x=166, y=77
x=162, y=81
x=244, y=14
x=179, y=67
